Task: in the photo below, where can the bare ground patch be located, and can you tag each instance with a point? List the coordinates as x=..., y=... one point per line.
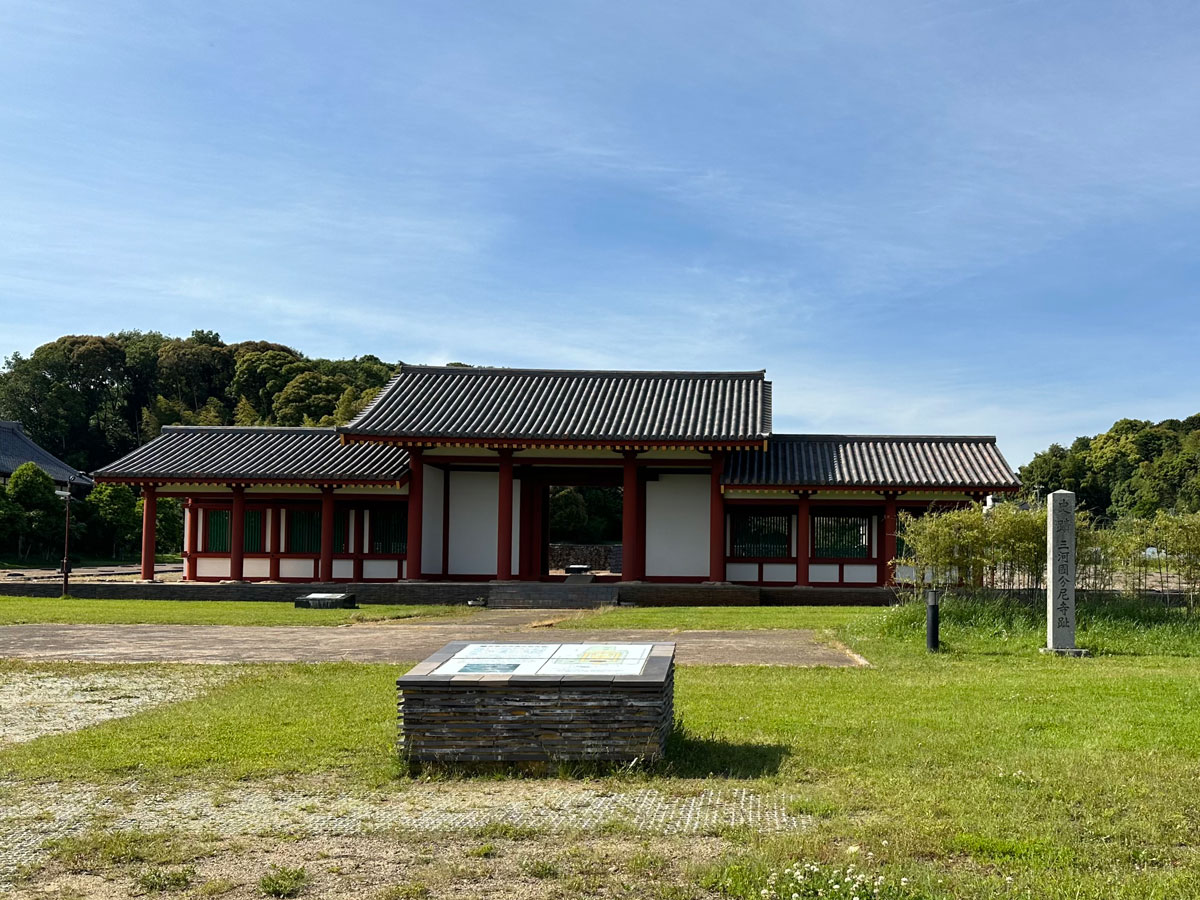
x=33, y=704
x=402, y=867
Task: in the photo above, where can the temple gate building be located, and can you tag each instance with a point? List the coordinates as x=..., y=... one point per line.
x=446, y=475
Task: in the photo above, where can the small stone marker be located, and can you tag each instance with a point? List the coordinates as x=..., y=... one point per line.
x=1060, y=575
x=326, y=601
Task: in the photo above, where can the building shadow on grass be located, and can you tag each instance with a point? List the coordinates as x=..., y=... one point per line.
x=690, y=755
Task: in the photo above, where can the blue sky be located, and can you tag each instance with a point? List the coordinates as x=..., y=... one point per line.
x=918, y=217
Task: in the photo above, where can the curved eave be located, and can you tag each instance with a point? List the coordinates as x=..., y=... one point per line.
x=877, y=488
x=249, y=481
x=425, y=441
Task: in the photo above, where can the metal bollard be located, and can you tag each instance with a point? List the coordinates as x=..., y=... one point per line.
x=932, y=621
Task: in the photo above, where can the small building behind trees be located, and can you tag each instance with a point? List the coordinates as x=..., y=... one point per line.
x=18, y=448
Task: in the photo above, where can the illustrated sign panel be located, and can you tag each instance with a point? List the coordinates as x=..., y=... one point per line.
x=547, y=659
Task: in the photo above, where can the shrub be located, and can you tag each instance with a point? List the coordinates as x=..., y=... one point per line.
x=280, y=881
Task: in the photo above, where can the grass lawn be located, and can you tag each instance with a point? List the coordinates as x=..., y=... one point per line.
x=73, y=610
x=703, y=618
x=986, y=771
x=80, y=562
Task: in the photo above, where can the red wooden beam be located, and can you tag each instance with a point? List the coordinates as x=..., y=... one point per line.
x=716, y=521
x=630, y=562
x=803, y=540
x=325, y=569
x=416, y=489
x=192, y=520
x=237, y=534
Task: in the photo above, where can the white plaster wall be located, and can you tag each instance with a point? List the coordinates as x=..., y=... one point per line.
x=212, y=567
x=860, y=574
x=779, y=572
x=379, y=568
x=741, y=571
x=297, y=568
x=256, y=568
x=677, y=518
x=474, y=502
x=343, y=568
x=822, y=572
x=431, y=521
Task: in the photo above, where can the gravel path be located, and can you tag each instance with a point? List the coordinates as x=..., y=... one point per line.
x=31, y=816
x=391, y=642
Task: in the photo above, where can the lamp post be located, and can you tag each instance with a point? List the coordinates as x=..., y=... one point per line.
x=932, y=620
x=66, y=560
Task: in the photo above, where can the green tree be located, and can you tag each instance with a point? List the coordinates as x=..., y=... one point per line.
x=193, y=370
x=245, y=413
x=70, y=396
x=260, y=375
x=32, y=491
x=568, y=515
x=116, y=509
x=310, y=396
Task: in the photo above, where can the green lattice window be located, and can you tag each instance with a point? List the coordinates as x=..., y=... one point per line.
x=304, y=531
x=841, y=537
x=341, y=532
x=757, y=535
x=216, y=525
x=252, y=533
x=389, y=530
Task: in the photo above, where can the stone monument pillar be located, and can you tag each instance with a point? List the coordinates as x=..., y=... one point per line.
x=1060, y=575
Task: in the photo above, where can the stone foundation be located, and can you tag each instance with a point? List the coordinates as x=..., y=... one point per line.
x=518, y=718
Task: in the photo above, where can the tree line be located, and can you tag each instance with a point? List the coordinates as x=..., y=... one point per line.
x=90, y=399
x=1136, y=468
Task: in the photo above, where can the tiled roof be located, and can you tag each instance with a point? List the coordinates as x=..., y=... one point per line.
x=828, y=460
x=16, y=447
x=542, y=405
x=250, y=454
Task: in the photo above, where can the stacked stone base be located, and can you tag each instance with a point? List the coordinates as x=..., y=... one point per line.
x=457, y=723
x=538, y=719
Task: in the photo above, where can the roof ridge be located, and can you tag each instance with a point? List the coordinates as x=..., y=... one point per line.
x=314, y=429
x=616, y=373
x=882, y=437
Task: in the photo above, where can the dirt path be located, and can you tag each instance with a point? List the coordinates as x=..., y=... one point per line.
x=392, y=642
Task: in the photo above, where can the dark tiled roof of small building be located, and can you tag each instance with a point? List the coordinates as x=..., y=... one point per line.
x=856, y=461
x=545, y=405
x=261, y=453
x=16, y=448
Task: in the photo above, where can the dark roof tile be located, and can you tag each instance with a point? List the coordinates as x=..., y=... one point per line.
x=16, y=447
x=257, y=453
x=458, y=403
x=831, y=460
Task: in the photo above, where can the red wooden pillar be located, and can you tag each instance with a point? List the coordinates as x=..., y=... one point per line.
x=631, y=549
x=504, y=529
x=803, y=541
x=276, y=542
x=716, y=521
x=416, y=482
x=192, y=512
x=149, y=530
x=526, y=547
x=889, y=536
x=325, y=572
x=237, y=534
x=360, y=543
